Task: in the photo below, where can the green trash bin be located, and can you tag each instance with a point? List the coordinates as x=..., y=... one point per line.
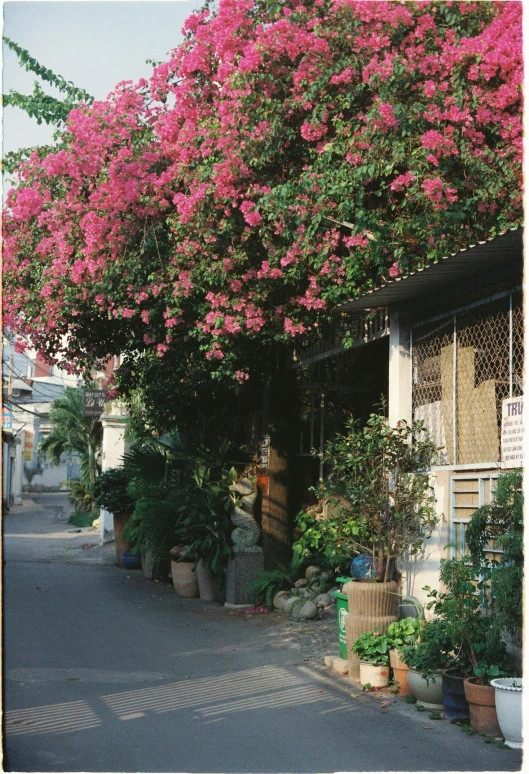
x=342, y=607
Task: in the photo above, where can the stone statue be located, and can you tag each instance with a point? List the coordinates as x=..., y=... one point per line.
x=246, y=532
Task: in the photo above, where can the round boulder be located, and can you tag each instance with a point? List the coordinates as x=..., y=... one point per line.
x=279, y=600
x=323, y=600
x=288, y=603
x=306, y=611
x=311, y=571
x=301, y=583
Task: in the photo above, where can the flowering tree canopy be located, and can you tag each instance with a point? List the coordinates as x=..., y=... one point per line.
x=284, y=158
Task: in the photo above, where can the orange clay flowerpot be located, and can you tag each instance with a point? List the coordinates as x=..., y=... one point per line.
x=482, y=705
x=400, y=672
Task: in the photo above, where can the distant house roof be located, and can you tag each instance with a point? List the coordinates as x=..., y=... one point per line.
x=475, y=264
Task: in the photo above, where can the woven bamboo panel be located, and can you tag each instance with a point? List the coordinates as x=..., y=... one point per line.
x=372, y=599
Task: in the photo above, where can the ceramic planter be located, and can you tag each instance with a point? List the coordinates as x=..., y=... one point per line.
x=377, y=675
x=208, y=586
x=429, y=693
x=184, y=579
x=130, y=560
x=455, y=704
x=508, y=697
x=400, y=672
x=120, y=521
x=482, y=706
x=372, y=607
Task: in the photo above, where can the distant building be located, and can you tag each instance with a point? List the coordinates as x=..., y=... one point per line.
x=29, y=387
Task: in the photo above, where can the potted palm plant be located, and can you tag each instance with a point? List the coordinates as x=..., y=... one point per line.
x=204, y=524
x=381, y=505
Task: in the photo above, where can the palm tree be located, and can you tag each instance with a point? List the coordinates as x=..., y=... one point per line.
x=71, y=431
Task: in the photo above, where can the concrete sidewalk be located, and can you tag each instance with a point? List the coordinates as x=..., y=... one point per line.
x=38, y=531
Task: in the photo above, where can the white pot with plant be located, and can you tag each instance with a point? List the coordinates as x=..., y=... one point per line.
x=372, y=650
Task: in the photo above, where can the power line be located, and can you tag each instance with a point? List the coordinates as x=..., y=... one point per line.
x=20, y=376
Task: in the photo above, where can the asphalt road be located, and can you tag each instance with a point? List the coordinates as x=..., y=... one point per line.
x=105, y=671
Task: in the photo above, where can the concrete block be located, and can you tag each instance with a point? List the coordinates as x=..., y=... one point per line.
x=337, y=664
x=242, y=570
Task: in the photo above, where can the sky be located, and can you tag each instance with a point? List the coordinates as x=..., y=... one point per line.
x=94, y=43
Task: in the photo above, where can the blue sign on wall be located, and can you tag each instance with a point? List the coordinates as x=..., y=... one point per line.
x=7, y=419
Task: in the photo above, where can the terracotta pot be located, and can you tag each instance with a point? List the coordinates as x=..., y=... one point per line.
x=372, y=607
x=508, y=696
x=184, y=579
x=482, y=706
x=455, y=704
x=428, y=692
x=377, y=675
x=400, y=672
x=120, y=521
x=154, y=571
x=208, y=586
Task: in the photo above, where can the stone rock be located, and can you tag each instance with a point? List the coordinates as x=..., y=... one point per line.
x=305, y=593
x=305, y=611
x=301, y=583
x=311, y=571
x=323, y=600
x=279, y=600
x=289, y=602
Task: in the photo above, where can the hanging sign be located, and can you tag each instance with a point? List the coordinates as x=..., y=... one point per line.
x=94, y=402
x=512, y=432
x=28, y=446
x=265, y=450
x=7, y=419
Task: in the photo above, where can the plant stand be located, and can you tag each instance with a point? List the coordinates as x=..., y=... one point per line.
x=242, y=569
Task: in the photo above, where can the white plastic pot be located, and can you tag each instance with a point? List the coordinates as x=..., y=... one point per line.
x=508, y=695
x=377, y=675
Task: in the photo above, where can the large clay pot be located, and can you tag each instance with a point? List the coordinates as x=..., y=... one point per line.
x=376, y=675
x=208, y=586
x=455, y=704
x=400, y=672
x=508, y=697
x=482, y=705
x=184, y=579
x=120, y=521
x=428, y=692
x=154, y=570
x=372, y=607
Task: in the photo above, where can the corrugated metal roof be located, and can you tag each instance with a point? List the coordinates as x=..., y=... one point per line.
x=474, y=264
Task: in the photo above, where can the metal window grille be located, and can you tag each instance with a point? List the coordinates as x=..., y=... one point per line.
x=362, y=327
x=464, y=365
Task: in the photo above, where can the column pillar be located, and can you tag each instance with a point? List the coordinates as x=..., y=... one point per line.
x=114, y=446
x=400, y=376
x=273, y=480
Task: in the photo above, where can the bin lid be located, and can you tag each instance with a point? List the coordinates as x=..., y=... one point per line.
x=338, y=595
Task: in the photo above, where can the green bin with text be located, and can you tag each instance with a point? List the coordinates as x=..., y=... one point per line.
x=342, y=608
